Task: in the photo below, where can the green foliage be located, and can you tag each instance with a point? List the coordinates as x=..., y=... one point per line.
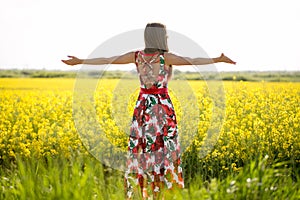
x=271, y=76
x=84, y=177
x=58, y=178
x=36, y=74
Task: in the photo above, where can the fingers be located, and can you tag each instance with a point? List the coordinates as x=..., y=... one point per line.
x=70, y=61
x=67, y=62
x=232, y=62
x=228, y=60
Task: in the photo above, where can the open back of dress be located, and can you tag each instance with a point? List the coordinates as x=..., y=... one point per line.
x=152, y=70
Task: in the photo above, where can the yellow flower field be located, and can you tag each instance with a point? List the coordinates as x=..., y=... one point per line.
x=37, y=119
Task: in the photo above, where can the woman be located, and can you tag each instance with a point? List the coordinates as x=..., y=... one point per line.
x=153, y=147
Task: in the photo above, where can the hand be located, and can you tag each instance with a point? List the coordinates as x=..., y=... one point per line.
x=73, y=61
x=225, y=59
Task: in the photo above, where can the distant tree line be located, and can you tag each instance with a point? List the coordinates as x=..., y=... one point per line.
x=271, y=76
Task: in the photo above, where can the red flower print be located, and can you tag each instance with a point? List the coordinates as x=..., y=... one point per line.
x=153, y=147
x=158, y=157
x=160, y=77
x=174, y=155
x=171, y=122
x=146, y=117
x=159, y=141
x=153, y=143
x=167, y=163
x=165, y=130
x=141, y=98
x=142, y=143
x=135, y=149
x=168, y=110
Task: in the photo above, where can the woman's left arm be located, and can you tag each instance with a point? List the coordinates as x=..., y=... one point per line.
x=172, y=59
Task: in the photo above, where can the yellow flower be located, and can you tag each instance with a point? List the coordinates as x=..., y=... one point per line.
x=36, y=119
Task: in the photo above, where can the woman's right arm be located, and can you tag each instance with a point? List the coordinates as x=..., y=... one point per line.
x=122, y=59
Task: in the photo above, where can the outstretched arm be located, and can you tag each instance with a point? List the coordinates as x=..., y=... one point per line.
x=123, y=59
x=172, y=59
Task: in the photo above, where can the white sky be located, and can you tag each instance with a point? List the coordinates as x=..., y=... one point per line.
x=257, y=34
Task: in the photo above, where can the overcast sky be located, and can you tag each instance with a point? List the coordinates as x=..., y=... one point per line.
x=257, y=34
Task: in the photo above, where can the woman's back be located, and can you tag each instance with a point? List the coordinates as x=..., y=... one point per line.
x=153, y=72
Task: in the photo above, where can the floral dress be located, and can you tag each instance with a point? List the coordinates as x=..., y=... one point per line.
x=153, y=148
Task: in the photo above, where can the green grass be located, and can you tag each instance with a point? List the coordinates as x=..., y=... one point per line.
x=57, y=178
x=83, y=177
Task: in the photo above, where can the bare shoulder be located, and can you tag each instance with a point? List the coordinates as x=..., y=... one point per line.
x=173, y=59
x=169, y=58
x=129, y=55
